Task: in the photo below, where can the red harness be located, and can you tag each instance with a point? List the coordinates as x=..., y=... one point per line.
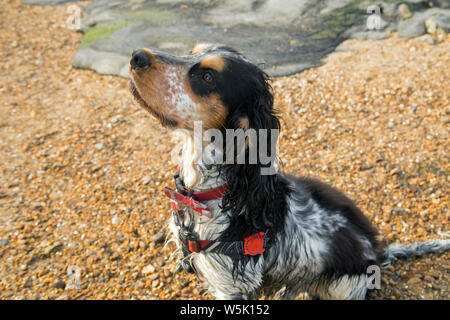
x=252, y=245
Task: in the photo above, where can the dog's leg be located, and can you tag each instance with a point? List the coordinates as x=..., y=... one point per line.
x=290, y=293
x=217, y=272
x=344, y=288
x=223, y=296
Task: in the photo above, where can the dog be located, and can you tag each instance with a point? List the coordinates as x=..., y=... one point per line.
x=245, y=233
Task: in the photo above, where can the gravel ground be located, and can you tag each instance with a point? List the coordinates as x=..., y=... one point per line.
x=82, y=166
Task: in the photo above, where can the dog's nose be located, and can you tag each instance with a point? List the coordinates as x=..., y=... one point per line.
x=139, y=60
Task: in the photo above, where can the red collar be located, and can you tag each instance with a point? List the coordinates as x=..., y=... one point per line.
x=212, y=194
x=194, y=199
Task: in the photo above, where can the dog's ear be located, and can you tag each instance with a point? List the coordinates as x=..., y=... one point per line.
x=252, y=186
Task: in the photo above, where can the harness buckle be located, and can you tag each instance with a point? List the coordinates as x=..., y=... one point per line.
x=193, y=243
x=254, y=244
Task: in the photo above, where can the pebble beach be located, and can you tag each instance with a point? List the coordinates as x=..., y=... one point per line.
x=83, y=166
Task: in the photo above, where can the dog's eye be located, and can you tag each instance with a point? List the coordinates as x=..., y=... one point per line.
x=207, y=76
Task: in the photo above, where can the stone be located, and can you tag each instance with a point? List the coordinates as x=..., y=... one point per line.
x=155, y=283
x=119, y=187
x=146, y=180
x=438, y=24
x=369, y=35
x=115, y=119
x=54, y=247
x=100, y=146
x=4, y=242
x=415, y=26
x=154, y=277
x=411, y=28
x=159, y=237
x=115, y=220
x=286, y=38
x=413, y=281
x=425, y=38
x=404, y=12
x=101, y=61
x=48, y=2
x=59, y=284
x=431, y=26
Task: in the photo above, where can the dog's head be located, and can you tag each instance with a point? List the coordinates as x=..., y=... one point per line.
x=213, y=84
x=222, y=89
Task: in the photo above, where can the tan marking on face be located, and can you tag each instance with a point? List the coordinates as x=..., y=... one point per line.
x=215, y=62
x=156, y=88
x=200, y=47
x=215, y=113
x=165, y=91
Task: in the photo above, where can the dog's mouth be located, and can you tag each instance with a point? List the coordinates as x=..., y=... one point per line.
x=165, y=121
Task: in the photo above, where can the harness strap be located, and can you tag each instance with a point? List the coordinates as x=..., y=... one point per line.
x=252, y=245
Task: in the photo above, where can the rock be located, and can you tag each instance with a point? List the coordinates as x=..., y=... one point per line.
x=115, y=119
x=115, y=220
x=342, y=48
x=411, y=28
x=48, y=2
x=431, y=26
x=102, y=61
x=4, y=242
x=287, y=39
x=426, y=38
x=154, y=277
x=158, y=238
x=115, y=256
x=404, y=12
x=415, y=26
x=413, y=281
x=148, y=269
x=119, y=187
x=59, y=284
x=54, y=247
x=146, y=180
x=155, y=283
x=369, y=35
x=100, y=146
x=438, y=24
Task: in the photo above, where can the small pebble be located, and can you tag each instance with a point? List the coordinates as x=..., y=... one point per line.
x=146, y=180
x=148, y=269
x=159, y=237
x=59, y=284
x=100, y=146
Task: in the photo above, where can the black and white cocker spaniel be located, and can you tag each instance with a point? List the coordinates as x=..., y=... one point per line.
x=243, y=231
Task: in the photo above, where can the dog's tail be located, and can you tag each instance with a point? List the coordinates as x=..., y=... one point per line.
x=417, y=249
